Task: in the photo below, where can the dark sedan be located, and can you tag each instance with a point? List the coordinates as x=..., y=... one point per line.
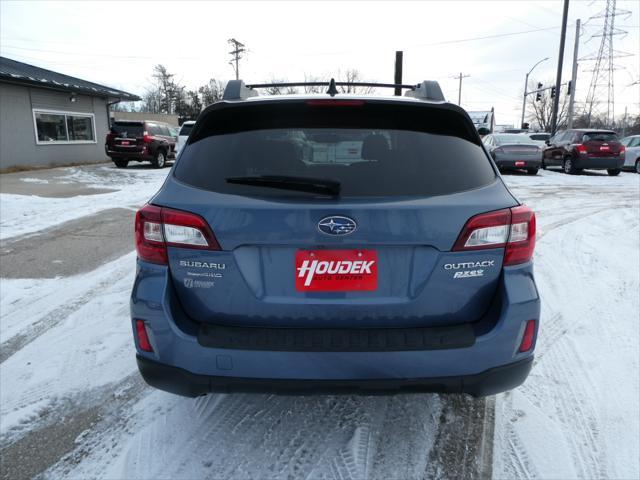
x=514, y=151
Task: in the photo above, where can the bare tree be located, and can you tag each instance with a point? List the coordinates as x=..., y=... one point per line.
x=308, y=78
x=541, y=110
x=278, y=90
x=353, y=76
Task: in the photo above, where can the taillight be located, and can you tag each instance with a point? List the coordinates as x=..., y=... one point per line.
x=581, y=148
x=159, y=227
x=146, y=138
x=528, y=337
x=110, y=137
x=143, y=337
x=511, y=228
x=622, y=149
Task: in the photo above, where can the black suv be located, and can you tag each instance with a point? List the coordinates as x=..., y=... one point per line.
x=576, y=149
x=142, y=141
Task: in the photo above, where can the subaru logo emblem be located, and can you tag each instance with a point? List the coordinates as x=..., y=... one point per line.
x=337, y=225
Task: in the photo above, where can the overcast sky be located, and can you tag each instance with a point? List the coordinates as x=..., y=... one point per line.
x=118, y=43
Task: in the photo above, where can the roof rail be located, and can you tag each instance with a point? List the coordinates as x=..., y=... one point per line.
x=237, y=90
x=427, y=90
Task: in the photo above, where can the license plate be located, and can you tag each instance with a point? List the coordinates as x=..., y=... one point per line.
x=125, y=142
x=604, y=148
x=520, y=164
x=336, y=270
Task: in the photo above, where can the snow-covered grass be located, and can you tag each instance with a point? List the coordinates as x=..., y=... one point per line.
x=24, y=214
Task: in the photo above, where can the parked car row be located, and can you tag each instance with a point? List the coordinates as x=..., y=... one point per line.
x=572, y=150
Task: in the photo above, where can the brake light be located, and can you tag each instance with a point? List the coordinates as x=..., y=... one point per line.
x=143, y=337
x=146, y=138
x=581, y=148
x=528, y=337
x=110, y=137
x=335, y=103
x=511, y=228
x=622, y=149
x=159, y=227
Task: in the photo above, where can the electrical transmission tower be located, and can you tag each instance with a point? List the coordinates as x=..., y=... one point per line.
x=600, y=97
x=238, y=49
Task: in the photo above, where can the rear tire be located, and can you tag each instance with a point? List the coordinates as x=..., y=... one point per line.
x=532, y=171
x=613, y=172
x=160, y=160
x=543, y=165
x=121, y=162
x=567, y=166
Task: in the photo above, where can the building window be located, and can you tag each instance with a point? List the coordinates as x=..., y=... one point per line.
x=63, y=127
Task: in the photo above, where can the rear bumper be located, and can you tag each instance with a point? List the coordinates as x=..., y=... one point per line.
x=185, y=363
x=598, y=163
x=129, y=155
x=514, y=161
x=182, y=382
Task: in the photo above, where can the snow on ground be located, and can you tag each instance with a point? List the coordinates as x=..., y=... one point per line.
x=577, y=416
x=24, y=214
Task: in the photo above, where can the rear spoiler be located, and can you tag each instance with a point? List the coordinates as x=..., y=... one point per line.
x=427, y=90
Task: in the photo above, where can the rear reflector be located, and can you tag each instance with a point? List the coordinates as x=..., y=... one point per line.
x=513, y=229
x=159, y=227
x=529, y=336
x=143, y=337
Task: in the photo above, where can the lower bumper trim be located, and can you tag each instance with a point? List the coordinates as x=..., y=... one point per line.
x=182, y=382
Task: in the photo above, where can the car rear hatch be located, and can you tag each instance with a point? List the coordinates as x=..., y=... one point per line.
x=126, y=137
x=302, y=237
x=521, y=150
x=601, y=144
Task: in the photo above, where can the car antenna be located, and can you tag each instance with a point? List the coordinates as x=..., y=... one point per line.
x=332, y=88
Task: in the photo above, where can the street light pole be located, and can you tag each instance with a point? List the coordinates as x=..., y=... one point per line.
x=526, y=83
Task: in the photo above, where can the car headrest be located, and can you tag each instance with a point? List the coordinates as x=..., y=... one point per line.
x=375, y=147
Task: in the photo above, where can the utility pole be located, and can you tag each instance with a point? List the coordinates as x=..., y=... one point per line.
x=460, y=77
x=624, y=122
x=574, y=75
x=563, y=36
x=397, y=77
x=238, y=49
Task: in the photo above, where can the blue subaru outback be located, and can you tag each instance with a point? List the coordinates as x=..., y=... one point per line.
x=334, y=242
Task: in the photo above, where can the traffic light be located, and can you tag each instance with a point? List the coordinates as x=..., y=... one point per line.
x=553, y=92
x=569, y=87
x=538, y=97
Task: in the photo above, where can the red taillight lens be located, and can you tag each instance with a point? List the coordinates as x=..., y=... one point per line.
x=143, y=337
x=158, y=227
x=110, y=137
x=529, y=336
x=511, y=228
x=581, y=148
x=146, y=138
x=522, y=236
x=622, y=149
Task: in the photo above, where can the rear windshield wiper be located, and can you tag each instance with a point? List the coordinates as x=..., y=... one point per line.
x=303, y=184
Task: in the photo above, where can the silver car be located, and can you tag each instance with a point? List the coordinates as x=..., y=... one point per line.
x=631, y=153
x=514, y=151
x=185, y=130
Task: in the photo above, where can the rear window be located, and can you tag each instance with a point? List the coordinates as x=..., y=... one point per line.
x=373, y=152
x=599, y=137
x=539, y=136
x=132, y=129
x=513, y=138
x=186, y=129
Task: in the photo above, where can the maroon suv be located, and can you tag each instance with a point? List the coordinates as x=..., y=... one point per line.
x=577, y=149
x=142, y=141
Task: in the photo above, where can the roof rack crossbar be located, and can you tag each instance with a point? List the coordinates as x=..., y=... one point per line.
x=327, y=83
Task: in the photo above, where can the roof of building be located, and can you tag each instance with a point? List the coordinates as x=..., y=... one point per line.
x=25, y=74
